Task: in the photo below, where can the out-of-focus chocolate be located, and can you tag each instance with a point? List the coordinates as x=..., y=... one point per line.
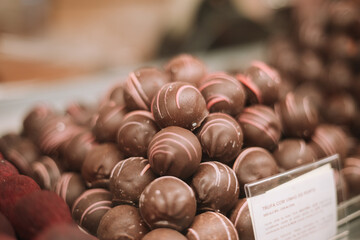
x=80, y=113
x=311, y=34
x=240, y=217
x=116, y=94
x=129, y=178
x=46, y=172
x=164, y=234
x=339, y=76
x=168, y=202
x=352, y=177
x=179, y=104
x=135, y=133
x=311, y=91
x=223, y=93
x=141, y=86
x=341, y=46
x=342, y=14
x=174, y=151
x=311, y=67
x=216, y=187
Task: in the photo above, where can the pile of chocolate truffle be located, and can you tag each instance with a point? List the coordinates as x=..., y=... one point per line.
x=164, y=155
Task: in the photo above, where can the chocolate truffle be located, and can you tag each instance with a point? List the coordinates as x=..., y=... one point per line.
x=141, y=86
x=80, y=113
x=186, y=68
x=221, y=137
x=352, y=177
x=164, y=234
x=122, y=222
x=99, y=163
x=223, y=93
x=116, y=94
x=311, y=35
x=90, y=207
x=311, y=67
x=69, y=187
x=212, y=225
x=135, y=133
x=46, y=172
x=6, y=169
x=240, y=217
x=342, y=46
x=179, y=104
x=253, y=164
x=261, y=82
x=174, y=151
x=64, y=232
x=261, y=126
x=339, y=76
x=299, y=117
x=292, y=153
x=107, y=121
x=168, y=202
x=216, y=187
x=129, y=178
x=312, y=92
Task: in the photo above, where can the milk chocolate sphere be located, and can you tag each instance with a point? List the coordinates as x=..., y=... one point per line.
x=240, y=217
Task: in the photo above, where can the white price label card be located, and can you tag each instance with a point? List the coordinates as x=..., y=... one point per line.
x=302, y=208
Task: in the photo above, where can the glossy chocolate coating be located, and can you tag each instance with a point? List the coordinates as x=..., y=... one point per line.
x=174, y=151
x=299, y=117
x=107, y=121
x=142, y=85
x=135, y=133
x=212, y=225
x=168, y=202
x=90, y=207
x=99, y=163
x=221, y=137
x=164, y=234
x=223, y=93
x=129, y=178
x=116, y=94
x=186, y=68
x=240, y=217
x=179, y=104
x=216, y=187
x=253, y=164
x=292, y=153
x=261, y=126
x=311, y=91
x=69, y=187
x=46, y=172
x=261, y=82
x=122, y=222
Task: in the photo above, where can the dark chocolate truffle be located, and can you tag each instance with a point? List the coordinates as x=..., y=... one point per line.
x=64, y=232
x=298, y=115
x=179, y=104
x=69, y=187
x=261, y=82
x=292, y=153
x=223, y=93
x=168, y=202
x=122, y=222
x=240, y=217
x=80, y=113
x=221, y=137
x=90, y=207
x=216, y=187
x=261, y=126
x=212, y=225
x=141, y=86
x=253, y=164
x=129, y=178
x=174, y=151
x=186, y=68
x=99, y=163
x=135, y=133
x=164, y=234
x=46, y=172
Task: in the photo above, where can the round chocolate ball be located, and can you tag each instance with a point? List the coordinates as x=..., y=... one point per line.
x=299, y=117
x=90, y=207
x=168, y=202
x=311, y=35
x=223, y=93
x=261, y=83
x=69, y=187
x=129, y=178
x=352, y=177
x=141, y=86
x=122, y=222
x=221, y=137
x=135, y=133
x=261, y=126
x=253, y=164
x=216, y=187
x=164, y=234
x=241, y=218
x=186, y=68
x=80, y=113
x=174, y=151
x=46, y=172
x=64, y=232
x=212, y=225
x=98, y=164
x=116, y=94
x=179, y=104
x=6, y=169
x=312, y=92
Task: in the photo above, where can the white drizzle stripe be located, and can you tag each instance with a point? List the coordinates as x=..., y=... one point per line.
x=134, y=93
x=138, y=113
x=243, y=154
x=223, y=223
x=311, y=116
x=93, y=207
x=251, y=85
x=39, y=168
x=65, y=185
x=19, y=161
x=143, y=171
x=216, y=98
x=193, y=233
x=163, y=144
x=244, y=119
x=123, y=126
x=157, y=99
x=139, y=88
x=268, y=70
x=100, y=208
x=53, y=166
x=116, y=167
x=181, y=89
x=242, y=208
x=229, y=178
x=217, y=172
x=86, y=194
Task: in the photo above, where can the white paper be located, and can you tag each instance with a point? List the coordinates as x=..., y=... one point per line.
x=303, y=208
